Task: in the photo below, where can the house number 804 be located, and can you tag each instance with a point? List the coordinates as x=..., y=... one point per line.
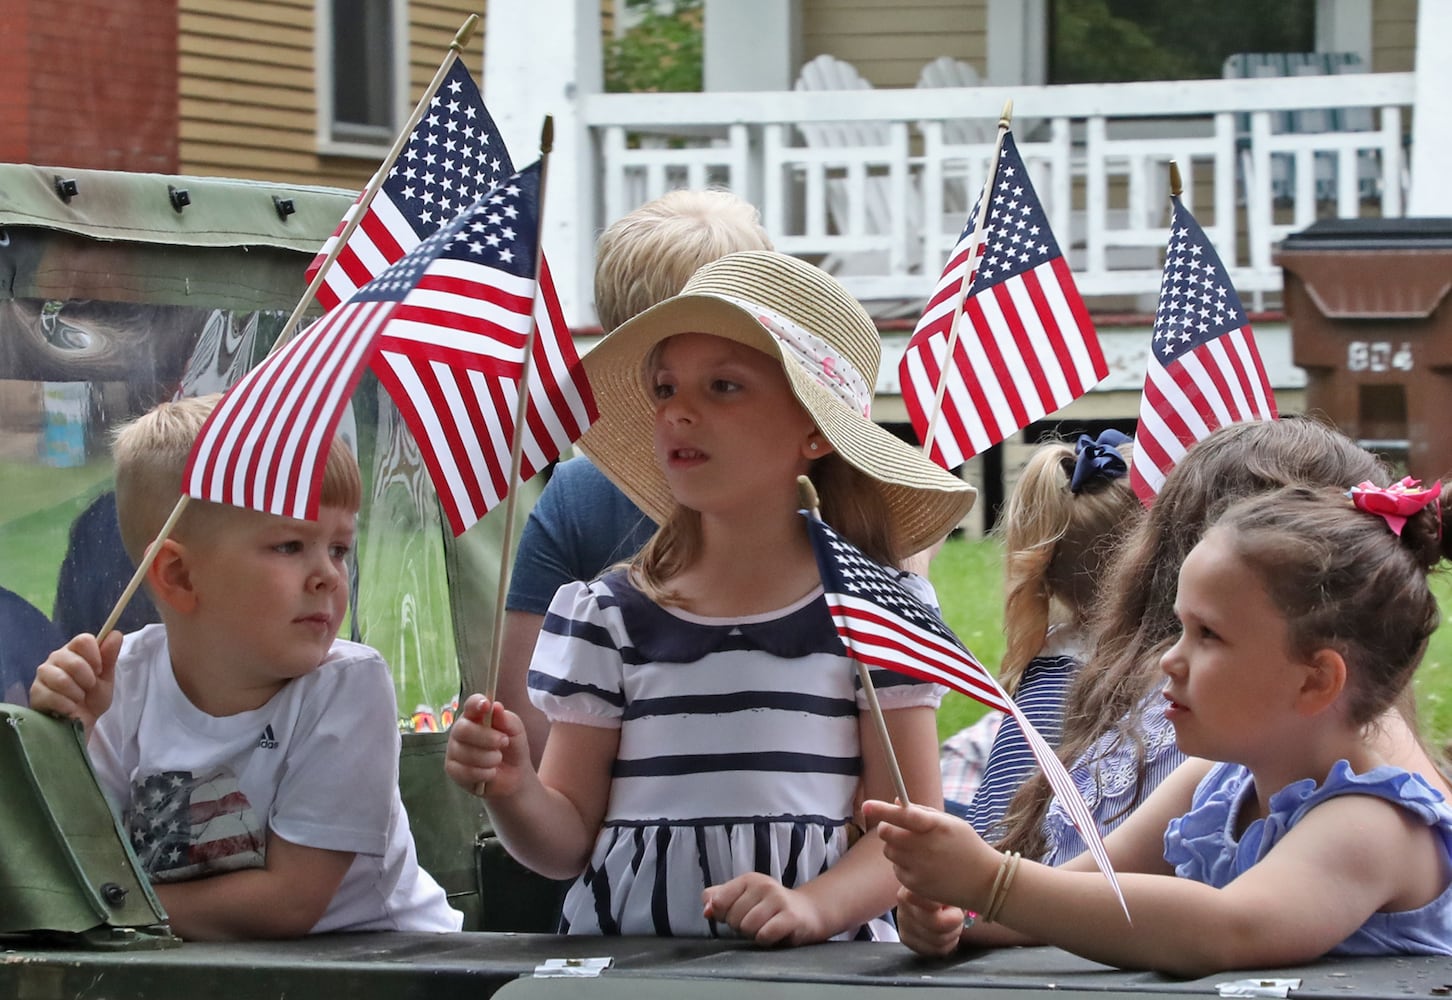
x=1378, y=356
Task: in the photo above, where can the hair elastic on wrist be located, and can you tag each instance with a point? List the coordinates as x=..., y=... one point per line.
x=1007, y=868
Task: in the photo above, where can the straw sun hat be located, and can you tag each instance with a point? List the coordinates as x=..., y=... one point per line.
x=829, y=348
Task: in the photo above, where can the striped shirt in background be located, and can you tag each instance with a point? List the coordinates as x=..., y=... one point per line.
x=1040, y=695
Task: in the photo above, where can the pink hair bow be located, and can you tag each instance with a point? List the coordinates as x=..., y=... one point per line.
x=1397, y=502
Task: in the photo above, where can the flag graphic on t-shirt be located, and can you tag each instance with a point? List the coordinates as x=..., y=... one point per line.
x=183, y=828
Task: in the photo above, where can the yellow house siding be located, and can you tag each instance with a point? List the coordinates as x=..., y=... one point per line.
x=432, y=27
x=1394, y=35
x=248, y=86
x=247, y=102
x=889, y=43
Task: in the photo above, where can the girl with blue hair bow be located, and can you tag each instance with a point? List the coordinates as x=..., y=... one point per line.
x=1070, y=507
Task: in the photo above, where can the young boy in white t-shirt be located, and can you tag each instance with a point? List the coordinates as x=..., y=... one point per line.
x=252, y=754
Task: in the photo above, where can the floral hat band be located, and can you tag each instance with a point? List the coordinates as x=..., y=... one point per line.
x=829, y=367
x=1397, y=502
x=1098, y=459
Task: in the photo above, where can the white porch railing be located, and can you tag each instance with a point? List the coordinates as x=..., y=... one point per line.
x=883, y=214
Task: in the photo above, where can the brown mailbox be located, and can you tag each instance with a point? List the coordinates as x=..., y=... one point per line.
x=1372, y=327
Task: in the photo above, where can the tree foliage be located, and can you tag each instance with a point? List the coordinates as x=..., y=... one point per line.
x=1099, y=41
x=660, y=51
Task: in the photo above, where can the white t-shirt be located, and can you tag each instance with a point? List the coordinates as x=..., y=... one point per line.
x=317, y=764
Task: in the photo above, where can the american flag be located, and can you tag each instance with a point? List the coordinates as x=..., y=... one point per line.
x=882, y=625
x=453, y=158
x=1204, y=369
x=456, y=389
x=184, y=828
x=265, y=444
x=1026, y=345
x=444, y=329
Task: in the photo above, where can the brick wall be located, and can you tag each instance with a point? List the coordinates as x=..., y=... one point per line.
x=96, y=87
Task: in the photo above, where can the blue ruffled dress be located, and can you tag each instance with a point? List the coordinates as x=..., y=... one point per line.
x=1202, y=844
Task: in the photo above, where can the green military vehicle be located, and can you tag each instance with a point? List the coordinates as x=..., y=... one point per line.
x=116, y=290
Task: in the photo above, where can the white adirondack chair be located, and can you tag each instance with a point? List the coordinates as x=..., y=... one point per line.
x=860, y=169
x=945, y=71
x=952, y=175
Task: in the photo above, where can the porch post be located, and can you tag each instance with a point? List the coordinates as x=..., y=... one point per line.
x=752, y=44
x=1431, y=195
x=1018, y=42
x=540, y=58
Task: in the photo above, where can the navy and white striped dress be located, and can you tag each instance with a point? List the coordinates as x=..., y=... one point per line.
x=739, y=749
x=1040, y=695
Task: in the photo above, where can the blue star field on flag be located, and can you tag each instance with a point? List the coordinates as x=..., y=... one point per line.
x=1017, y=237
x=1197, y=301
x=453, y=158
x=499, y=232
x=883, y=625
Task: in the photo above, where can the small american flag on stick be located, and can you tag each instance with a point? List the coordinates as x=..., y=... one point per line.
x=444, y=329
x=1027, y=346
x=882, y=625
x=1204, y=369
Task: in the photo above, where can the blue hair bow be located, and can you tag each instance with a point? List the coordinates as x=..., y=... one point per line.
x=1098, y=458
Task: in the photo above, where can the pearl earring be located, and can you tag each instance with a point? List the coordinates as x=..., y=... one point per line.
x=813, y=446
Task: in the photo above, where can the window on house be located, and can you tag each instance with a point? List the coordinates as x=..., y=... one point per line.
x=1102, y=41
x=362, y=56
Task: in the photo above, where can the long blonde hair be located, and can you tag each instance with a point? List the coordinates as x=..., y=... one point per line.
x=1056, y=545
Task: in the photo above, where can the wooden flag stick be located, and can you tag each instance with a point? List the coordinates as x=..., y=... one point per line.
x=980, y=226
x=461, y=39
x=808, y=494
x=1176, y=188
x=516, y=446
x=146, y=560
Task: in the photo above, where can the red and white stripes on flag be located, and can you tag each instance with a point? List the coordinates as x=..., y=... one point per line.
x=463, y=418
x=884, y=626
x=266, y=443
x=1204, y=370
x=370, y=249
x=1026, y=345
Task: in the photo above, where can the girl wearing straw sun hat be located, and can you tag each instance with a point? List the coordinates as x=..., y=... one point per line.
x=708, y=736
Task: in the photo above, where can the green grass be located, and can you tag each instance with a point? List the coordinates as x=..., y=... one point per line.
x=40, y=504
x=968, y=577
